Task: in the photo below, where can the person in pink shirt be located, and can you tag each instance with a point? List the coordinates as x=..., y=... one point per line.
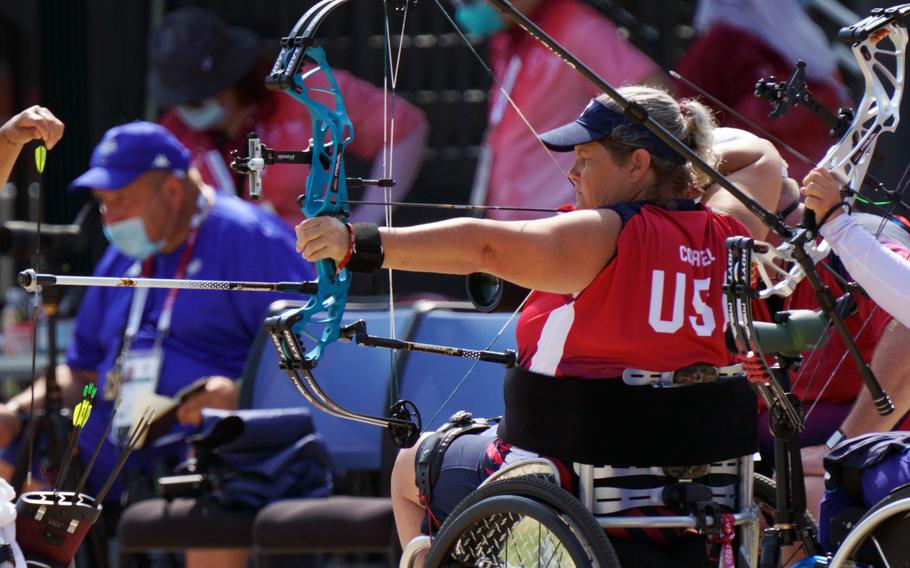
x=515, y=168
x=210, y=77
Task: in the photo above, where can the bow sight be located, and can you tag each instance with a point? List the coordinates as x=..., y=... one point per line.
x=794, y=92
x=259, y=157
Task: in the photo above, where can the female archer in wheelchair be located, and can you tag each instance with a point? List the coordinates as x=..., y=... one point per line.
x=629, y=284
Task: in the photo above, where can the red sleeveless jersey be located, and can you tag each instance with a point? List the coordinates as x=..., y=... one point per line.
x=658, y=305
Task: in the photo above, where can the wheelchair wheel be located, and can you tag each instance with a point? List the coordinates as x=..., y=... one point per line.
x=880, y=537
x=524, y=521
x=764, y=492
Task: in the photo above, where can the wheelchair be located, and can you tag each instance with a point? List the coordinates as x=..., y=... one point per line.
x=521, y=516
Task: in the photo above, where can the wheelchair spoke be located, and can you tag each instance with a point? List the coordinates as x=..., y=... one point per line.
x=558, y=548
x=881, y=553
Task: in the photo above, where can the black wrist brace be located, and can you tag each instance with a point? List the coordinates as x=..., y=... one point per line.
x=368, y=255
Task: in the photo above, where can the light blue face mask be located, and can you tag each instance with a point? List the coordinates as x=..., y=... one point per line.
x=478, y=17
x=131, y=238
x=202, y=116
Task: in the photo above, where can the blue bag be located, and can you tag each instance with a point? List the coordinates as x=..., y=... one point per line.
x=251, y=458
x=860, y=472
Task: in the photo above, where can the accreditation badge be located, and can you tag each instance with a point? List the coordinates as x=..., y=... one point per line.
x=138, y=381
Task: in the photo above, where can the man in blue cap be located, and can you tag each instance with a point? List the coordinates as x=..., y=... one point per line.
x=142, y=345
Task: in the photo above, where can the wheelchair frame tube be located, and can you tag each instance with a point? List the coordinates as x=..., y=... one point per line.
x=750, y=542
x=744, y=516
x=586, y=486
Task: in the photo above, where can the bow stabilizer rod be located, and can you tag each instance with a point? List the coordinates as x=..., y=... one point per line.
x=32, y=281
x=357, y=332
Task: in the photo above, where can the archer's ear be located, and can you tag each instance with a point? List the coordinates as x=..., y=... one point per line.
x=639, y=163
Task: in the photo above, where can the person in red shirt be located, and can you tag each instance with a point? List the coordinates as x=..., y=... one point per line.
x=640, y=289
x=828, y=384
x=210, y=77
x=515, y=169
x=741, y=42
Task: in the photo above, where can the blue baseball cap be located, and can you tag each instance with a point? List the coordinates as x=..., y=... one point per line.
x=128, y=151
x=598, y=121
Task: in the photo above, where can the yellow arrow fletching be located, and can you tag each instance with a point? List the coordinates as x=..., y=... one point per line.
x=81, y=413
x=40, y=158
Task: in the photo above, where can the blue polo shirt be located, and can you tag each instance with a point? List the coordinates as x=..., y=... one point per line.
x=211, y=331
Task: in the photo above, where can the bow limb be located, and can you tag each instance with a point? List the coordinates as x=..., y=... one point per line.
x=879, y=45
x=301, y=335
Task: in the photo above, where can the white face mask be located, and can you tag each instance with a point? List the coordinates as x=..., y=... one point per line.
x=202, y=116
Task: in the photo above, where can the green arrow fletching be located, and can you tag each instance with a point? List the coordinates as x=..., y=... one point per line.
x=89, y=390
x=40, y=158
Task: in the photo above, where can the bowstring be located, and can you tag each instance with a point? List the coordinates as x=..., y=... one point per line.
x=499, y=85
x=36, y=261
x=391, y=68
x=872, y=312
x=470, y=370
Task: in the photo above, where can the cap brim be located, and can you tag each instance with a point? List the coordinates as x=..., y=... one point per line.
x=566, y=137
x=105, y=179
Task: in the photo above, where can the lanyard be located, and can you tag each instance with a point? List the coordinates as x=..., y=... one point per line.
x=140, y=295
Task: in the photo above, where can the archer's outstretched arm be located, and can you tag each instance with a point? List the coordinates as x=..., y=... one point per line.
x=559, y=254
x=33, y=123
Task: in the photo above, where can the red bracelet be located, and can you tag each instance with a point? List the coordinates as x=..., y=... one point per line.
x=347, y=257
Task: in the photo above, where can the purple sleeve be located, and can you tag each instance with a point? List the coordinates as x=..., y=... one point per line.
x=86, y=350
x=270, y=256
